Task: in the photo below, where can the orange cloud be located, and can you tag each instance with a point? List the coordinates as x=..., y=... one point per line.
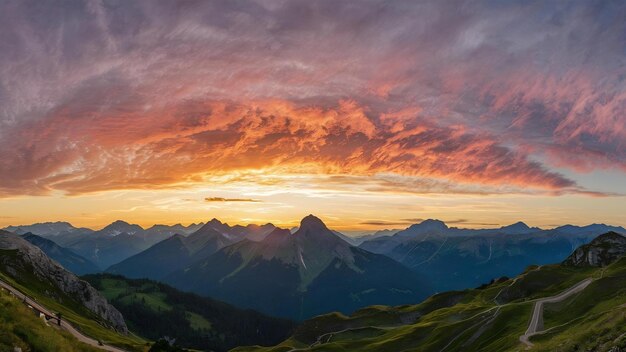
x=78, y=154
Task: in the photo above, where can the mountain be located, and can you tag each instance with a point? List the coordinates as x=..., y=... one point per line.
x=178, y=251
x=453, y=258
x=298, y=275
x=119, y=240
x=68, y=259
x=518, y=228
x=577, y=308
x=602, y=251
x=120, y=227
x=22, y=261
x=155, y=262
x=426, y=227
x=47, y=229
x=155, y=310
x=592, y=229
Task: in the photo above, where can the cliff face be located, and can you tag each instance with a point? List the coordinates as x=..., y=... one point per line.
x=602, y=251
x=20, y=258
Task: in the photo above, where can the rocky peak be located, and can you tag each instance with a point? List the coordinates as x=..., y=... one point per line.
x=518, y=228
x=602, y=251
x=311, y=222
x=119, y=226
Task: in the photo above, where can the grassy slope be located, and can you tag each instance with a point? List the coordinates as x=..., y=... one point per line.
x=19, y=327
x=488, y=319
x=199, y=322
x=83, y=319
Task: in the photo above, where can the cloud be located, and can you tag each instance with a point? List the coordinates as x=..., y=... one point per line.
x=419, y=97
x=220, y=199
x=384, y=223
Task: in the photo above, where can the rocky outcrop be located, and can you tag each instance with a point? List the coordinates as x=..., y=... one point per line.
x=25, y=260
x=602, y=251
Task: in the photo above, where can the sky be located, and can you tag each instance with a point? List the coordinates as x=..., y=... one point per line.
x=369, y=114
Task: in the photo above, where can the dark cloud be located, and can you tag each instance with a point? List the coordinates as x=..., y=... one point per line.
x=220, y=199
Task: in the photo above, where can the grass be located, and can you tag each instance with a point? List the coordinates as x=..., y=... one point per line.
x=155, y=300
x=198, y=322
x=20, y=327
x=54, y=299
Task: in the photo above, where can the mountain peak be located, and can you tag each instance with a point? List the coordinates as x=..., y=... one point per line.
x=312, y=222
x=430, y=225
x=119, y=223
x=602, y=251
x=120, y=226
x=214, y=221
x=434, y=223
x=518, y=226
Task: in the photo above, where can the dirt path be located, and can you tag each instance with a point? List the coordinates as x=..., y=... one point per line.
x=64, y=324
x=536, y=322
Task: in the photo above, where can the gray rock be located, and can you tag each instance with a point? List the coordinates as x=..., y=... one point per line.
x=602, y=251
x=30, y=258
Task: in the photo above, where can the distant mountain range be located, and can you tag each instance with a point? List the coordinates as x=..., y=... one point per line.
x=107, y=246
x=452, y=258
x=178, y=251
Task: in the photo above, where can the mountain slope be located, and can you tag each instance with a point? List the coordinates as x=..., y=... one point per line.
x=26, y=267
x=155, y=310
x=491, y=318
x=68, y=259
x=155, y=262
x=299, y=275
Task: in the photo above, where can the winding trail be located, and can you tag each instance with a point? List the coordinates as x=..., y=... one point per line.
x=64, y=324
x=536, y=322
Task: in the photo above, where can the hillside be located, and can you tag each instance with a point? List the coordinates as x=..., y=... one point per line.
x=25, y=267
x=21, y=327
x=155, y=310
x=491, y=318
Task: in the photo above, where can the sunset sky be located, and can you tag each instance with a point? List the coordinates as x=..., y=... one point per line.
x=369, y=114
